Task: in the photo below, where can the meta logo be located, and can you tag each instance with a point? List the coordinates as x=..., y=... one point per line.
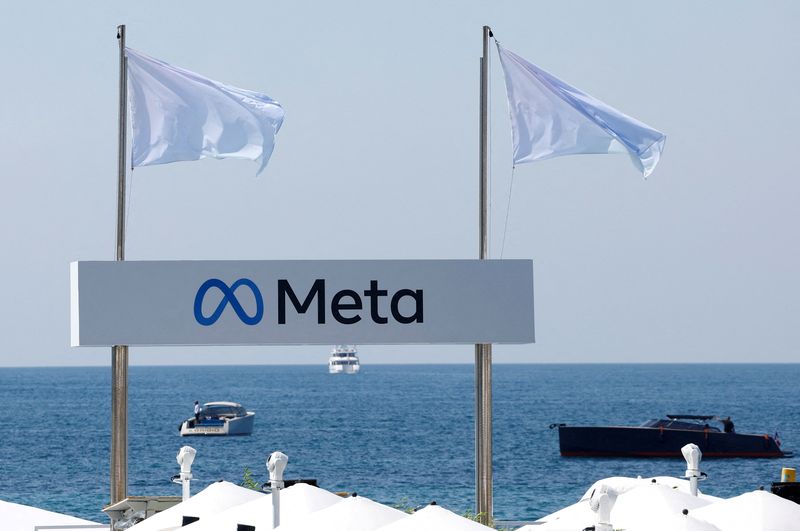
x=406, y=306
x=228, y=297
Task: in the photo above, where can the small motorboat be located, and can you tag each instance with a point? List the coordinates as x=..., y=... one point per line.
x=219, y=418
x=665, y=438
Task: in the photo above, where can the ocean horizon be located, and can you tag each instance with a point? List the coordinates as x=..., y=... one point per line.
x=399, y=434
x=371, y=363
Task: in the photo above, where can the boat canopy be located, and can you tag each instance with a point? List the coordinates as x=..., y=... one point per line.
x=223, y=410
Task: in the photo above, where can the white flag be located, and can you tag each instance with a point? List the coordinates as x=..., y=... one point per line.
x=180, y=115
x=549, y=118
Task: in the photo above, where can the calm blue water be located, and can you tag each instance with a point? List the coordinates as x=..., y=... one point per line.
x=397, y=434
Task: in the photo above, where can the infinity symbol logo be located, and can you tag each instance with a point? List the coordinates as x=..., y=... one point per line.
x=228, y=297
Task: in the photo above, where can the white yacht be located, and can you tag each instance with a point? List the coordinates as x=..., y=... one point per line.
x=219, y=418
x=344, y=360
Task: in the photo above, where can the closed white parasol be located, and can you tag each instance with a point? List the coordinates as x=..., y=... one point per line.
x=17, y=517
x=351, y=514
x=753, y=511
x=297, y=501
x=213, y=499
x=434, y=518
x=657, y=507
x=640, y=502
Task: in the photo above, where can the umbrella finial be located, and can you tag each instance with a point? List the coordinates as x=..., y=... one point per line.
x=276, y=465
x=691, y=452
x=601, y=502
x=185, y=458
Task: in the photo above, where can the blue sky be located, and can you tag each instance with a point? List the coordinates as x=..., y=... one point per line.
x=378, y=159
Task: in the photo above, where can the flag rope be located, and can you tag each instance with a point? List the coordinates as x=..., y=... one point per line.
x=508, y=210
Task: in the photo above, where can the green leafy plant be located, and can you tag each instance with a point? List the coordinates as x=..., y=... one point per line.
x=249, y=481
x=477, y=517
x=404, y=505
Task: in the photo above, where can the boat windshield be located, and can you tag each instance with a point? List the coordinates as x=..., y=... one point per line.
x=224, y=411
x=678, y=425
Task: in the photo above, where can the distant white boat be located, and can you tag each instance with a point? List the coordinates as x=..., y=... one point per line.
x=220, y=418
x=344, y=360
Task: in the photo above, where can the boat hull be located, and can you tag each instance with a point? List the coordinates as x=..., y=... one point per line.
x=234, y=426
x=343, y=369
x=621, y=441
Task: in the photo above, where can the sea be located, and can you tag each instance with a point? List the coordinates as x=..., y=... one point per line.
x=402, y=435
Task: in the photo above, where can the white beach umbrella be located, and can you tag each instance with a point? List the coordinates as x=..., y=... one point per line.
x=356, y=513
x=674, y=523
x=640, y=501
x=580, y=513
x=213, y=499
x=624, y=484
x=576, y=516
x=297, y=501
x=17, y=517
x=579, y=520
x=653, y=502
x=753, y=511
x=434, y=518
x=652, y=505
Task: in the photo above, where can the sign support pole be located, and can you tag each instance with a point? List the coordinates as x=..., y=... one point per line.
x=119, y=353
x=483, y=352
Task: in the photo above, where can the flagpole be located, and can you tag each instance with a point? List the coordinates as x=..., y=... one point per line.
x=483, y=352
x=119, y=353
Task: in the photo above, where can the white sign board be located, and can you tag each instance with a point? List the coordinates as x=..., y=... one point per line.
x=297, y=302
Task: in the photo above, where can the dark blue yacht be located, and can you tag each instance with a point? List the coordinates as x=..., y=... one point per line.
x=665, y=438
